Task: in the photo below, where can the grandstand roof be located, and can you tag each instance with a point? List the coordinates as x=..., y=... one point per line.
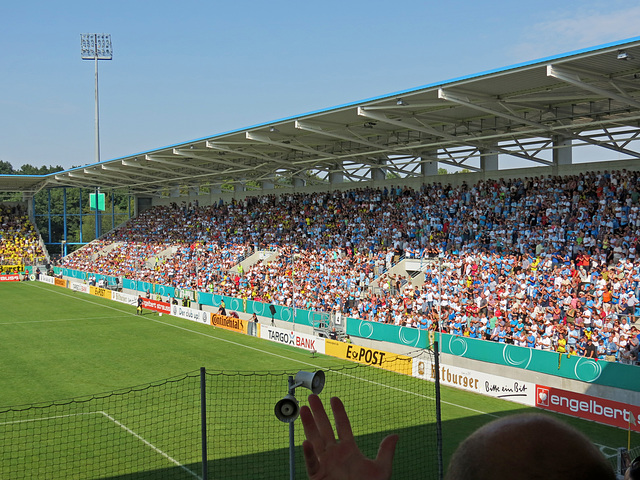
x=590, y=97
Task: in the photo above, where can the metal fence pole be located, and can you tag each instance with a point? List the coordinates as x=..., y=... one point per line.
x=203, y=419
x=436, y=352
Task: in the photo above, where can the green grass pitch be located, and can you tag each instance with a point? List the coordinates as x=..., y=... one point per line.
x=58, y=344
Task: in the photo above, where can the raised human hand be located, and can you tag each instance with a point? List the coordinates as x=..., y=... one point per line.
x=329, y=459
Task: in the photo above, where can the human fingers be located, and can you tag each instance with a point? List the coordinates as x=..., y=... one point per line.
x=311, y=429
x=343, y=425
x=310, y=458
x=323, y=424
x=386, y=451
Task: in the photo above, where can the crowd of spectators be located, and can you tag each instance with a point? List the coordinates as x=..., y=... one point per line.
x=544, y=262
x=19, y=241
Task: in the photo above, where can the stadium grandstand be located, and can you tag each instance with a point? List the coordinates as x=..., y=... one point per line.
x=500, y=209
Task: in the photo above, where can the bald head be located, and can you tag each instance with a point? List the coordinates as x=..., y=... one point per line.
x=527, y=447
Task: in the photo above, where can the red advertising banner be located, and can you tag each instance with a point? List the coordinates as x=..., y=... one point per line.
x=10, y=278
x=584, y=406
x=156, y=306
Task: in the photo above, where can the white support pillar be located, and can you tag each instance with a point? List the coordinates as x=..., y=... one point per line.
x=298, y=181
x=268, y=184
x=379, y=173
x=562, y=151
x=28, y=199
x=336, y=177
x=489, y=160
x=429, y=165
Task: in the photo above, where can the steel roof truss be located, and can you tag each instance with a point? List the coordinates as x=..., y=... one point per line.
x=258, y=137
x=355, y=139
x=568, y=77
x=153, y=158
x=240, y=153
x=452, y=97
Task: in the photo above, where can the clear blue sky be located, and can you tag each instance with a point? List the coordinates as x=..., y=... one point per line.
x=189, y=69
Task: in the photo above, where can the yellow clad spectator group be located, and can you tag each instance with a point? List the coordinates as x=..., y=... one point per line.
x=19, y=241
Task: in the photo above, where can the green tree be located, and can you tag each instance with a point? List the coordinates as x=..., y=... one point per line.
x=28, y=169
x=6, y=168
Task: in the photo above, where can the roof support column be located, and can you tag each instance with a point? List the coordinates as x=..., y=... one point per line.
x=297, y=181
x=240, y=186
x=215, y=192
x=379, y=173
x=429, y=164
x=488, y=160
x=31, y=210
x=336, y=176
x=268, y=184
x=562, y=152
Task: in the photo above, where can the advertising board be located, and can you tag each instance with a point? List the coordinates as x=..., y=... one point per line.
x=199, y=316
x=588, y=407
x=293, y=338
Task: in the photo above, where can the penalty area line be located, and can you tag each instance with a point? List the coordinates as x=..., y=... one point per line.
x=150, y=445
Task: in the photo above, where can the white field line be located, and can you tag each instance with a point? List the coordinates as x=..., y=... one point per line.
x=49, y=418
x=119, y=424
x=61, y=320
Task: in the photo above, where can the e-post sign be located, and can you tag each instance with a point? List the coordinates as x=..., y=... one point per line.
x=99, y=203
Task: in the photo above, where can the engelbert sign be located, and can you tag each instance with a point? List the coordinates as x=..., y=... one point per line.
x=584, y=406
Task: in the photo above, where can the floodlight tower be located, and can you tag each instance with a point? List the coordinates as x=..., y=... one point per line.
x=96, y=46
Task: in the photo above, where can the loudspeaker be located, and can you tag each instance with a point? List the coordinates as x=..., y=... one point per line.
x=287, y=409
x=273, y=309
x=312, y=381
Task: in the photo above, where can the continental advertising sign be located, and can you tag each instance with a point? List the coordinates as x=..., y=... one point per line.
x=229, y=323
x=369, y=356
x=60, y=282
x=100, y=292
